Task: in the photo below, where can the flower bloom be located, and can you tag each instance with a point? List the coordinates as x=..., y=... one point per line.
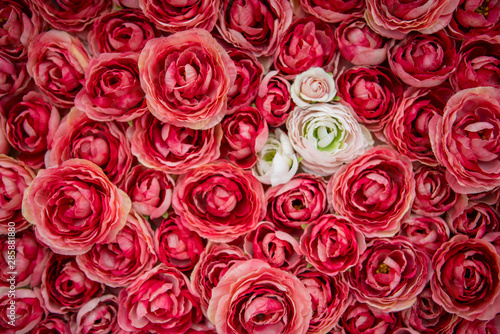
x=14, y=75
x=428, y=233
x=312, y=86
x=362, y=318
x=474, y=220
x=98, y=315
x=273, y=99
x=473, y=18
x=334, y=11
x=29, y=311
x=52, y=322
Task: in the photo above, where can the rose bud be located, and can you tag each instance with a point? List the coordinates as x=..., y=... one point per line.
x=233, y=201
x=171, y=148
x=14, y=75
x=73, y=17
x=359, y=44
x=374, y=192
x=362, y=318
x=466, y=278
x=167, y=303
x=312, y=86
x=177, y=246
x=52, y=53
x=21, y=312
x=334, y=11
x=186, y=77
x=475, y=220
x=53, y=323
x=65, y=288
x=98, y=315
x=271, y=299
x=75, y=206
x=473, y=18
x=173, y=16
x=465, y=140
x=429, y=233
x=307, y=43
x=274, y=100
x=400, y=18
x=214, y=262
x=277, y=162
x=150, y=190
x=121, y=261
x=254, y=26
x=103, y=143
x=326, y=136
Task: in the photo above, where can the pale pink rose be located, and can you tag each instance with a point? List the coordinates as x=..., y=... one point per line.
x=14, y=75
x=121, y=261
x=252, y=296
x=465, y=138
x=361, y=318
x=98, y=315
x=273, y=99
x=167, y=304
x=75, y=206
x=21, y=312
x=53, y=323
x=186, y=77
x=429, y=233
x=334, y=11
x=312, y=86
x=474, y=220
x=396, y=18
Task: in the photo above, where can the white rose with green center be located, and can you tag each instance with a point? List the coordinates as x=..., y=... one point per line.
x=313, y=86
x=327, y=136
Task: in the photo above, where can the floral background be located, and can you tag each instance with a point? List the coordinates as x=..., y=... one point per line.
x=250, y=166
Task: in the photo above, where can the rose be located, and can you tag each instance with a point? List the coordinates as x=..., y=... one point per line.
x=464, y=139
x=359, y=44
x=30, y=125
x=429, y=233
x=15, y=177
x=372, y=92
x=127, y=3
x=334, y=11
x=312, y=86
x=308, y=42
x=52, y=53
x=98, y=315
x=474, y=220
x=112, y=90
x=120, y=31
x=13, y=75
x=121, y=261
x=150, y=190
x=167, y=304
x=73, y=17
x=75, y=206
x=326, y=136
x=186, y=77
x=171, y=148
x=53, y=323
x=65, y=287
x=177, y=246
x=390, y=274
x=233, y=201
x=173, y=16
x=273, y=99
x=331, y=244
x=103, y=143
x=464, y=326
x=215, y=260
x=375, y=191
x=254, y=26
x=244, y=134
x=300, y=201
x=361, y=318
x=400, y=18
x=24, y=310
x=472, y=18
x=466, y=278
x=252, y=296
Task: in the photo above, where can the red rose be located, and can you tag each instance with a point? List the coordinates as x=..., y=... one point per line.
x=13, y=75
x=274, y=100
x=474, y=220
x=362, y=318
x=472, y=18
x=53, y=323
x=27, y=313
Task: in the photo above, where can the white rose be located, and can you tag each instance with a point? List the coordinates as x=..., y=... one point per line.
x=312, y=86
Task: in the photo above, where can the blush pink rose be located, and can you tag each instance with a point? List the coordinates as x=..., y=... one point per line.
x=121, y=261
x=428, y=233
x=98, y=315
x=375, y=191
x=465, y=139
x=28, y=311
x=361, y=318
x=313, y=86
x=75, y=206
x=219, y=201
x=167, y=304
x=252, y=297
x=274, y=100
x=186, y=77
x=474, y=220
x=334, y=11
x=466, y=278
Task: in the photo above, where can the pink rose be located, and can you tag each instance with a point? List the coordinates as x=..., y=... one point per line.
x=65, y=287
x=473, y=17
x=27, y=313
x=396, y=18
x=362, y=318
x=308, y=42
x=13, y=75
x=255, y=26
x=177, y=246
x=166, y=303
x=121, y=261
x=374, y=192
x=233, y=201
x=112, y=90
x=98, y=315
x=150, y=190
x=390, y=274
x=186, y=77
x=359, y=44
x=466, y=278
x=52, y=53
x=331, y=244
x=334, y=11
x=252, y=296
x=75, y=206
x=103, y=143
x=274, y=100
x=464, y=326
x=4, y=144
x=428, y=233
x=171, y=148
x=475, y=220
x=313, y=86
x=127, y=3
x=465, y=139
x=53, y=323
x=120, y=31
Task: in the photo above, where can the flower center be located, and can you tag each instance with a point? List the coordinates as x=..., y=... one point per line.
x=297, y=204
x=382, y=269
x=483, y=9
